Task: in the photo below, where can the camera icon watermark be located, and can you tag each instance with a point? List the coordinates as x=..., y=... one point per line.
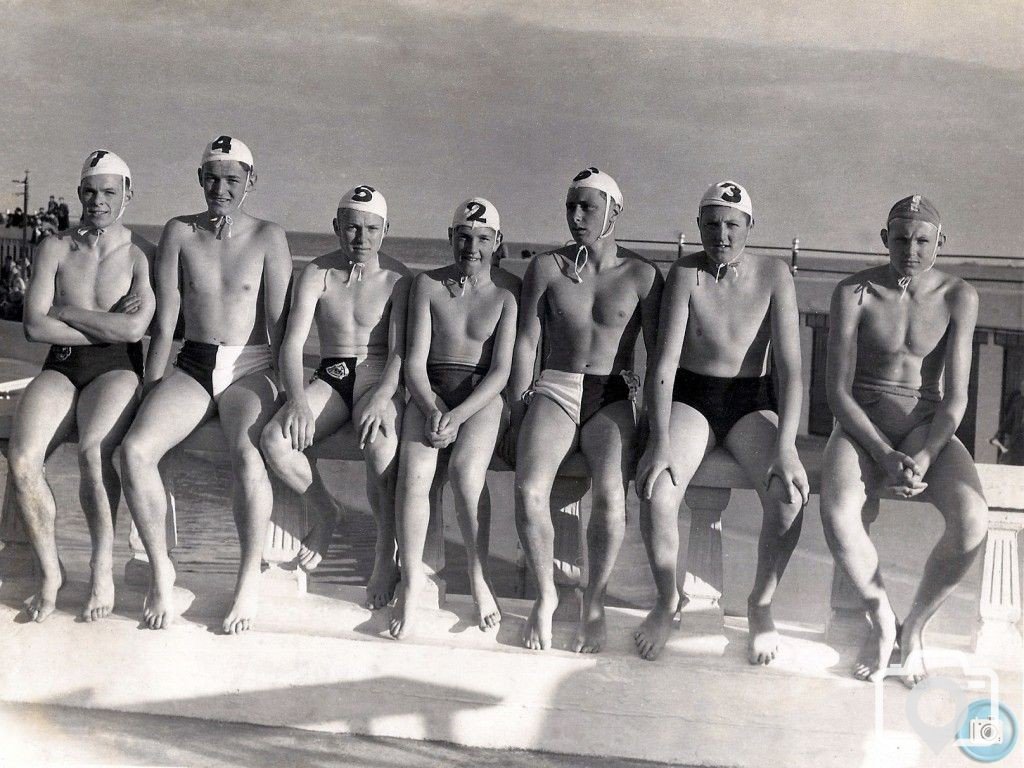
x=984, y=729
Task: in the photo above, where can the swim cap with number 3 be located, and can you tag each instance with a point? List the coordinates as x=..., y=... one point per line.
x=728, y=194
x=477, y=212
x=365, y=198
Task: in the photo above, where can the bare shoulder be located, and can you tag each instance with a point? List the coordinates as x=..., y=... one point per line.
x=316, y=270
x=684, y=269
x=431, y=281
x=640, y=266
x=141, y=247
x=506, y=281
x=850, y=288
x=961, y=295
x=774, y=271
x=394, y=266
x=269, y=230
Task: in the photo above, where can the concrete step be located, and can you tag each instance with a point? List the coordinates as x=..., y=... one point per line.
x=323, y=663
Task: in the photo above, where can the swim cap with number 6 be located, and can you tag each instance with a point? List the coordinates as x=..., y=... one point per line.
x=595, y=178
x=477, y=212
x=103, y=161
x=365, y=198
x=728, y=194
x=227, y=148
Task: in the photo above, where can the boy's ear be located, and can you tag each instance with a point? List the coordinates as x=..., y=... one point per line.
x=884, y=234
x=200, y=172
x=450, y=232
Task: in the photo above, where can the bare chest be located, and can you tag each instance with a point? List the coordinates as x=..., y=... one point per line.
x=357, y=302
x=92, y=282
x=904, y=325
x=727, y=314
x=228, y=271
x=607, y=303
x=473, y=317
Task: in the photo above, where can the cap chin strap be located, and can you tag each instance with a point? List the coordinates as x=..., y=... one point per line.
x=903, y=281
x=99, y=231
x=222, y=224
x=583, y=252
x=355, y=272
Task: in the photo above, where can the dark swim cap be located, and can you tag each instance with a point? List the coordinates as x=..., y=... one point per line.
x=915, y=208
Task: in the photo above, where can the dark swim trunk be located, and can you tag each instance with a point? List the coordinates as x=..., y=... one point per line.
x=83, y=363
x=724, y=401
x=454, y=382
x=581, y=395
x=340, y=374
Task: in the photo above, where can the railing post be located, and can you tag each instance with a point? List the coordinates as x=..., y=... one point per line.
x=794, y=255
x=847, y=622
x=997, y=639
x=682, y=244
x=701, y=586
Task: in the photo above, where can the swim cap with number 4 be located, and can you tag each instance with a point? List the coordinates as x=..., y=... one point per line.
x=227, y=148
x=477, y=212
x=595, y=178
x=103, y=161
x=365, y=198
x=728, y=194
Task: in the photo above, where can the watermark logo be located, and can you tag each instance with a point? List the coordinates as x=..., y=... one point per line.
x=938, y=711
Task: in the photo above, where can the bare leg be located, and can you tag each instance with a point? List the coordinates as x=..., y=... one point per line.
x=546, y=438
x=105, y=410
x=298, y=472
x=417, y=467
x=847, y=472
x=45, y=416
x=691, y=439
x=171, y=411
x=245, y=408
x=955, y=489
x=381, y=477
x=752, y=443
x=608, y=441
x=467, y=472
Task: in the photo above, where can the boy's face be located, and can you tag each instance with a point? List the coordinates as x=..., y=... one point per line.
x=102, y=196
x=912, y=245
x=723, y=232
x=473, y=248
x=224, y=182
x=360, y=233
x=585, y=214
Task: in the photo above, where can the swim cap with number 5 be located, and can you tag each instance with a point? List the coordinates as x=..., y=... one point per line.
x=477, y=212
x=365, y=198
x=227, y=148
x=103, y=161
x=728, y=194
x=595, y=178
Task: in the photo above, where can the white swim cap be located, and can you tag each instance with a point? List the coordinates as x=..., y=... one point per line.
x=103, y=161
x=477, y=212
x=365, y=198
x=597, y=179
x=728, y=194
x=227, y=148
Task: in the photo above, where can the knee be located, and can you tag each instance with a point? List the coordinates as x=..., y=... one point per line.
x=91, y=459
x=24, y=467
x=972, y=526
x=248, y=464
x=136, y=455
x=464, y=480
x=531, y=496
x=274, y=445
x=608, y=494
x=786, y=518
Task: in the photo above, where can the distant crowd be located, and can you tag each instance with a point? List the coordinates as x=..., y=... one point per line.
x=55, y=217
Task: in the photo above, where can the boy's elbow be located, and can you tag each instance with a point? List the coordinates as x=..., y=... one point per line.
x=31, y=329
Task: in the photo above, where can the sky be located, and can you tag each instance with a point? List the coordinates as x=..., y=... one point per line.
x=826, y=112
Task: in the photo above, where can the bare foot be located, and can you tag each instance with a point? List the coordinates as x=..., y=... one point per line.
x=652, y=634
x=403, y=614
x=380, y=589
x=487, y=612
x=158, y=608
x=101, y=595
x=877, y=650
x=763, y=640
x=44, y=602
x=911, y=657
x=591, y=633
x=243, y=611
x=316, y=542
x=537, y=632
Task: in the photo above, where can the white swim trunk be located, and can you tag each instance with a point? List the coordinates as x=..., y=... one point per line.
x=216, y=367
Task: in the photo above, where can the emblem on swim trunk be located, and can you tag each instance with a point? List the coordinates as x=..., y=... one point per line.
x=338, y=370
x=63, y=353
